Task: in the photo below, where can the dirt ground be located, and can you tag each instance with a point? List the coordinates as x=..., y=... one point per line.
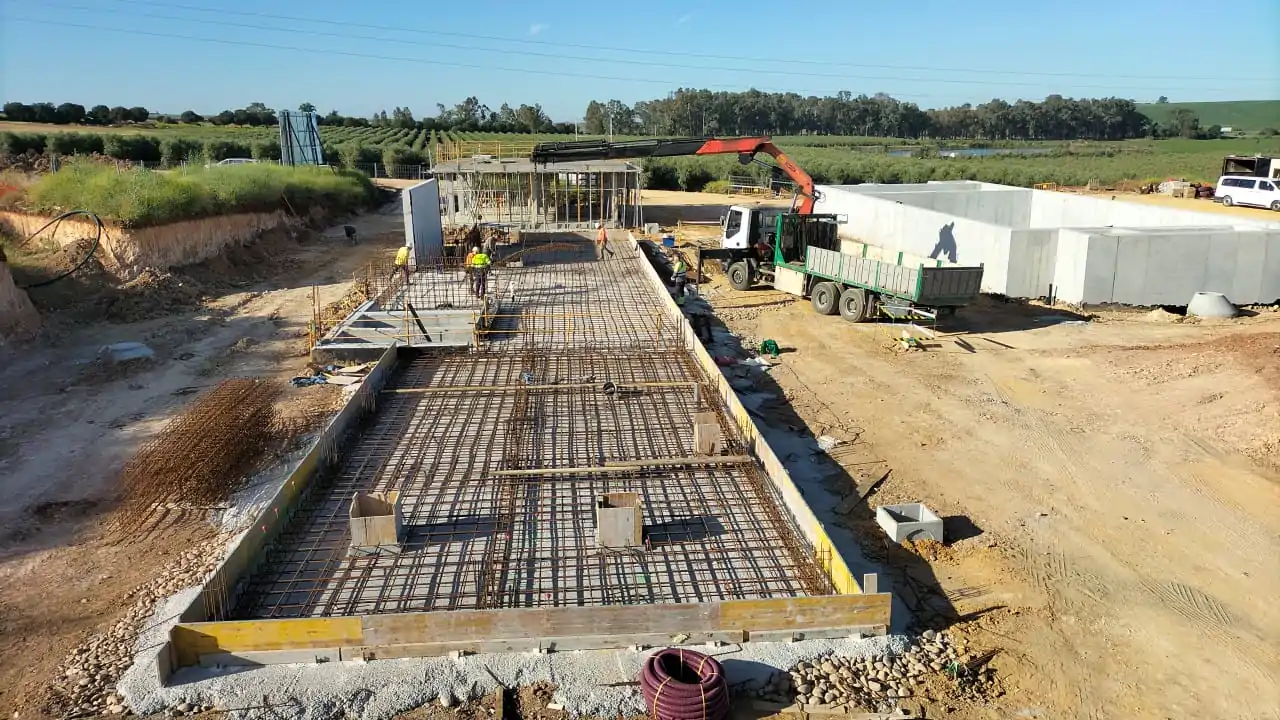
x=1199, y=205
x=1110, y=486
x=67, y=424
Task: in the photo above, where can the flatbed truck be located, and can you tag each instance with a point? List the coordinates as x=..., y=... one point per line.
x=800, y=254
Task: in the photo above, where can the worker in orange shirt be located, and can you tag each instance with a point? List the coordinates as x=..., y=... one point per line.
x=602, y=242
x=466, y=268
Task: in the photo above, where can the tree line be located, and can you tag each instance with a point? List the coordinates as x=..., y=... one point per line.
x=693, y=112
x=703, y=112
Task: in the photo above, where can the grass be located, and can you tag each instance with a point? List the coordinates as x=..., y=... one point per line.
x=1247, y=115
x=139, y=198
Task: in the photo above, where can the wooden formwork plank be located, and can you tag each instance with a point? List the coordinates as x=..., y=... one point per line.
x=191, y=640
x=569, y=628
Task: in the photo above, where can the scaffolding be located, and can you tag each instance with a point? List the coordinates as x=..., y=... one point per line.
x=518, y=194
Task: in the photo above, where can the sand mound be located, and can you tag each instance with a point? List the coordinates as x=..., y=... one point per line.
x=19, y=320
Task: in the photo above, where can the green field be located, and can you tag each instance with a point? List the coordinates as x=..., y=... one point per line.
x=829, y=159
x=1240, y=115
x=137, y=198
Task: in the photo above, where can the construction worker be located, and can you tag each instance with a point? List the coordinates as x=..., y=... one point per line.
x=402, y=265
x=602, y=242
x=680, y=276
x=479, y=265
x=466, y=267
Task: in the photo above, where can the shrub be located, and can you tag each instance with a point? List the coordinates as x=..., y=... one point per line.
x=19, y=143
x=694, y=177
x=138, y=197
x=352, y=154
x=175, y=150
x=661, y=177
x=402, y=162
x=145, y=148
x=75, y=143
x=217, y=150
x=266, y=150
x=716, y=186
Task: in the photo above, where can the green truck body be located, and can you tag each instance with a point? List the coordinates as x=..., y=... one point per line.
x=810, y=244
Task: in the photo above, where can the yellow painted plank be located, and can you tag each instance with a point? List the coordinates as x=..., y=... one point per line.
x=828, y=611
x=191, y=640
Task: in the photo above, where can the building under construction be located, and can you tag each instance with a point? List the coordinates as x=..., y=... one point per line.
x=520, y=194
x=552, y=461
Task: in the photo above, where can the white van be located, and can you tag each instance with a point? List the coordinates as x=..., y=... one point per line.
x=1243, y=190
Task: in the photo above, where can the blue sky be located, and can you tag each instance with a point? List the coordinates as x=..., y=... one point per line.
x=377, y=54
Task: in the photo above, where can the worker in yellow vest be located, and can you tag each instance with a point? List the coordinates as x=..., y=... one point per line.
x=402, y=264
x=479, y=265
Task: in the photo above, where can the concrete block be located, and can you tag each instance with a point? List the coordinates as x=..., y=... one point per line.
x=377, y=523
x=909, y=521
x=706, y=434
x=619, y=520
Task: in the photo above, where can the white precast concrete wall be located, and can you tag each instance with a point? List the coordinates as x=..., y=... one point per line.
x=1135, y=267
x=423, y=230
x=900, y=227
x=1091, y=250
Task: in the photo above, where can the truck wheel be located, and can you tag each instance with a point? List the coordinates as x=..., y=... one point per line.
x=740, y=276
x=1276, y=206
x=1227, y=201
x=853, y=304
x=825, y=297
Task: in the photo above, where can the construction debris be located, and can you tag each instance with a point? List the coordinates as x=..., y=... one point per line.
x=881, y=683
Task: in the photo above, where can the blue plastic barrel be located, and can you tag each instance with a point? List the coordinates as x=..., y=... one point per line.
x=668, y=240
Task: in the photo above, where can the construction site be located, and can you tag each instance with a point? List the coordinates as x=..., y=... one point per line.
x=533, y=484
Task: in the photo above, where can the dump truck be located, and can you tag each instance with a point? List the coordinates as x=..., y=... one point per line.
x=800, y=254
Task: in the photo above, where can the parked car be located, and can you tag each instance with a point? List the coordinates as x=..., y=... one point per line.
x=1242, y=190
x=232, y=161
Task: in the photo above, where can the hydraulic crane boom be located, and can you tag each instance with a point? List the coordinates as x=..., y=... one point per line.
x=745, y=147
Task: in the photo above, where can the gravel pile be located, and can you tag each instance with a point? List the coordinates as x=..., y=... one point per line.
x=86, y=680
x=876, y=682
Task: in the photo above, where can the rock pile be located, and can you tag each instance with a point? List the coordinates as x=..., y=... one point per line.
x=86, y=680
x=876, y=682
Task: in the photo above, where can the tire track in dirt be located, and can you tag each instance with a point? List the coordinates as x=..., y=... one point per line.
x=1210, y=617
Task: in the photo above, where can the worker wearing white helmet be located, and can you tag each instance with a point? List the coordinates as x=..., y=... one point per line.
x=602, y=242
x=479, y=263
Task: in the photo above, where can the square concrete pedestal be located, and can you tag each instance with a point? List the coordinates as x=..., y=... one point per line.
x=909, y=521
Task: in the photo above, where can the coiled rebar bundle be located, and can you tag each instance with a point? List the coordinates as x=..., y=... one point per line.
x=683, y=684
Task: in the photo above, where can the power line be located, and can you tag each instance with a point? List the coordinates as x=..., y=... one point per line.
x=448, y=63
x=612, y=49
x=555, y=56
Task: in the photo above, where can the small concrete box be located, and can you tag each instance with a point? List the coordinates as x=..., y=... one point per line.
x=377, y=523
x=619, y=521
x=910, y=521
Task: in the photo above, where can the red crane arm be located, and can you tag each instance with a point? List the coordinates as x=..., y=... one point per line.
x=744, y=147
x=753, y=145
